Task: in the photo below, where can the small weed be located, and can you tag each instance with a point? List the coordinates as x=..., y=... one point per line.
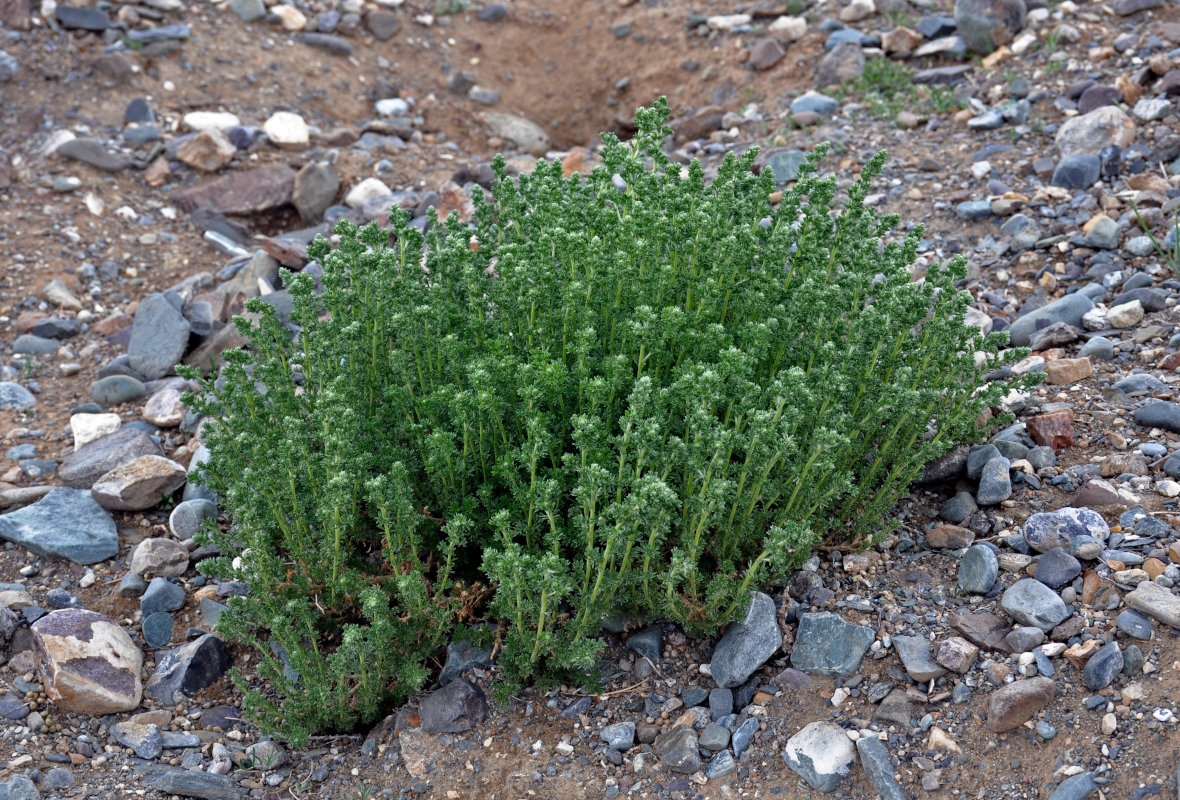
x=445, y=7
x=1053, y=67
x=1171, y=256
x=795, y=8
x=1049, y=45
x=900, y=18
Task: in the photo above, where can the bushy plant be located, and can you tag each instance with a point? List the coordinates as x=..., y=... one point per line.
x=637, y=391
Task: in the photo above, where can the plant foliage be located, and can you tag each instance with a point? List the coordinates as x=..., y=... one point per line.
x=637, y=391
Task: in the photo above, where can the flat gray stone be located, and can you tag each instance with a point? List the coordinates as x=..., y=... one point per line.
x=917, y=658
x=1159, y=414
x=1068, y=309
x=1031, y=602
x=826, y=645
x=878, y=767
x=82, y=468
x=13, y=395
x=748, y=644
x=204, y=785
x=159, y=336
x=66, y=523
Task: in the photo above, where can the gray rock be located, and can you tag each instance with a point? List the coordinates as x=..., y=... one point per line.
x=1135, y=625
x=143, y=739
x=1077, y=171
x=1090, y=133
x=1023, y=231
x=1103, y=234
x=974, y=210
x=720, y=703
x=720, y=765
x=1099, y=347
x=814, y=102
x=878, y=767
x=1103, y=666
x=619, y=736
x=161, y=595
x=714, y=737
x=748, y=644
x=678, y=749
x=1049, y=529
x=978, y=570
x=185, y=670
x=82, y=468
x=1068, y=309
x=248, y=10
x=82, y=19
x=492, y=13
x=457, y=707
x=946, y=467
x=159, y=336
x=785, y=165
x=157, y=629
x=986, y=24
x=826, y=645
x=195, y=490
x=205, y=785
x=32, y=345
x=1031, y=602
x=995, y=483
x=1057, y=568
x=114, y=390
x=1159, y=414
x=978, y=457
x=1140, y=383
x=13, y=395
x=648, y=642
x=843, y=63
x=65, y=523
x=326, y=41
x=9, y=67
x=19, y=788
x=1076, y=787
x=92, y=152
x=462, y=656
x=744, y=735
x=821, y=754
x=316, y=187
x=917, y=658
x=1025, y=638
x=188, y=517
x=958, y=508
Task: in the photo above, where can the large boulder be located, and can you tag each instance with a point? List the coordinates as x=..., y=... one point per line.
x=88, y=663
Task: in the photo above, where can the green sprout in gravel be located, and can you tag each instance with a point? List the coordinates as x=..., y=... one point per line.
x=635, y=391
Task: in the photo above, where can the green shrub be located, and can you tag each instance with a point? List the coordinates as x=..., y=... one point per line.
x=631, y=392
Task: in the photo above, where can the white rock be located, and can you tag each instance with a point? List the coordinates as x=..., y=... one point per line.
x=1023, y=43
x=59, y=294
x=524, y=133
x=980, y=169
x=365, y=191
x=725, y=22
x=1110, y=724
x=161, y=557
x=857, y=10
x=291, y=18
x=56, y=140
x=88, y=663
x=88, y=427
x=822, y=754
x=210, y=120
x=788, y=28
x=1095, y=319
x=392, y=107
x=286, y=130
x=1125, y=315
x=1168, y=488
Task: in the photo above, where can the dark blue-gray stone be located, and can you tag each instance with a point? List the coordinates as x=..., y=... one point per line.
x=157, y=629
x=462, y=656
x=1057, y=568
x=1031, y=602
x=1149, y=298
x=748, y=644
x=1041, y=457
x=648, y=642
x=1140, y=382
x=1135, y=625
x=1159, y=414
x=1076, y=787
x=159, y=336
x=576, y=708
x=1068, y=309
x=694, y=696
x=744, y=735
x=1103, y=666
x=12, y=707
x=826, y=645
x=58, y=597
x=978, y=570
x=958, y=508
x=19, y=788
x=715, y=737
x=143, y=739
x=1044, y=665
x=995, y=484
x=200, y=784
x=161, y=595
x=1133, y=660
x=1077, y=171
x=1048, y=529
x=878, y=767
x=619, y=736
x=187, y=669
x=29, y=344
x=978, y=457
x=1045, y=730
x=1011, y=450
x=974, y=210
x=114, y=390
x=13, y=395
x=720, y=702
x=82, y=19
x=720, y=765
x=66, y=523
x=785, y=164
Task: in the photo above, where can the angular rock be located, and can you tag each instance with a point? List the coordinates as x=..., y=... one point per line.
x=878, y=767
x=65, y=523
x=842, y=64
x=161, y=595
x=457, y=707
x=185, y=670
x=1069, y=309
x=81, y=469
x=826, y=645
x=1031, y=602
x=316, y=187
x=241, y=191
x=1014, y=704
x=158, y=337
x=19, y=788
x=1054, y=430
x=748, y=644
x=949, y=537
x=205, y=785
x=1152, y=599
x=1057, y=568
x=917, y=658
x=619, y=736
x=978, y=570
x=207, y=151
x=956, y=654
x=1103, y=666
x=87, y=428
x=145, y=740
x=1067, y=371
x=88, y=664
x=987, y=24
x=461, y=656
x=139, y=484
x=677, y=748
x=765, y=54
x=164, y=409
x=162, y=557
x=13, y=395
x=1049, y=529
x=821, y=754
x=1089, y=133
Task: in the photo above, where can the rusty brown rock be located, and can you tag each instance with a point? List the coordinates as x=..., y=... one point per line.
x=1120, y=463
x=949, y=537
x=208, y=151
x=241, y=191
x=1053, y=430
x=1011, y=706
x=985, y=629
x=1068, y=371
